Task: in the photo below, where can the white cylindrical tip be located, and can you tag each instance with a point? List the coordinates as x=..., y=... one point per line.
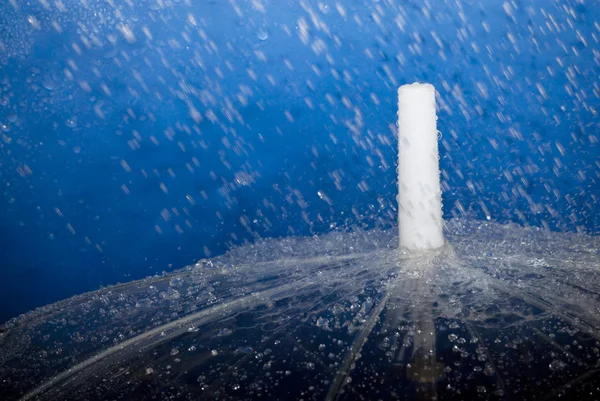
x=419, y=194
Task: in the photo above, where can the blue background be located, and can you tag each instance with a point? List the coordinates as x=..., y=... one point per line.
x=109, y=174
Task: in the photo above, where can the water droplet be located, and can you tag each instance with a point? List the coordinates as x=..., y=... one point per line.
x=71, y=122
x=176, y=282
x=244, y=350
x=557, y=365
x=262, y=34
x=214, y=352
x=224, y=332
x=49, y=84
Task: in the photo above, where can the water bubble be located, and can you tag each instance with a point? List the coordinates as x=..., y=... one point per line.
x=71, y=122
x=214, y=352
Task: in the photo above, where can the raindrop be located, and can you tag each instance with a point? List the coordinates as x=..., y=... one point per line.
x=262, y=34
x=110, y=54
x=155, y=6
x=49, y=84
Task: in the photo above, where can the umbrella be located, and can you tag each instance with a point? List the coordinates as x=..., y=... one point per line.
x=457, y=310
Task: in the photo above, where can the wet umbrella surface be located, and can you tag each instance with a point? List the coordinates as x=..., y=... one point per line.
x=503, y=312
x=137, y=136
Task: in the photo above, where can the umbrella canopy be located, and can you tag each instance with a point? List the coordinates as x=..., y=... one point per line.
x=505, y=312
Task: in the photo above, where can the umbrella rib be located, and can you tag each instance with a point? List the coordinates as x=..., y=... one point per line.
x=340, y=378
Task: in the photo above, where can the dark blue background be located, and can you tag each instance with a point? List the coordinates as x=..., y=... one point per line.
x=134, y=186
